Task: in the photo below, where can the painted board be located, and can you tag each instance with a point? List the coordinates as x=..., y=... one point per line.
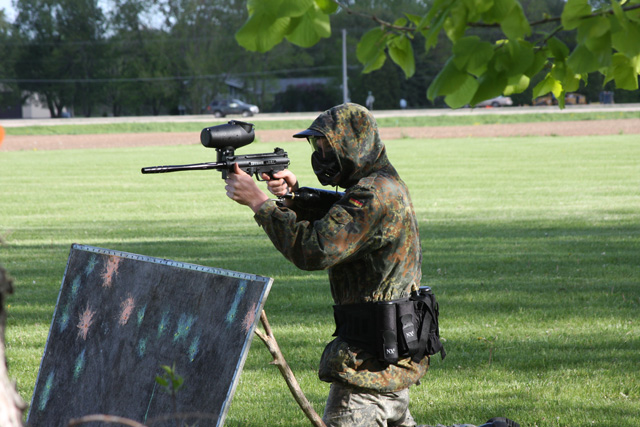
x=121, y=316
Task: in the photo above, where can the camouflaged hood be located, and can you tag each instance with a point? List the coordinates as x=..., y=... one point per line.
x=352, y=132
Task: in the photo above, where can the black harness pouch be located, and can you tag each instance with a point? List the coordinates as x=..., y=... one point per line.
x=392, y=330
x=427, y=309
x=370, y=326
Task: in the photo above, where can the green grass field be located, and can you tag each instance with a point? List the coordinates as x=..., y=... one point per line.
x=532, y=246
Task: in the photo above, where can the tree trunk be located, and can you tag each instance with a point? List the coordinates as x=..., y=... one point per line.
x=11, y=404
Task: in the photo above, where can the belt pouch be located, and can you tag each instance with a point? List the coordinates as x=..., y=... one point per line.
x=386, y=323
x=408, y=329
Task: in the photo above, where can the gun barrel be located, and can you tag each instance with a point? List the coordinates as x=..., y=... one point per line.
x=177, y=168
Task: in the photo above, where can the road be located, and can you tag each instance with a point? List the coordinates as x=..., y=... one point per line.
x=311, y=115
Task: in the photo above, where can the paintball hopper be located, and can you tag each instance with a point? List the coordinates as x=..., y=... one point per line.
x=232, y=135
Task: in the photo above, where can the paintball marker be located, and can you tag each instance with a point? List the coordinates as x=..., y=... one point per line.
x=225, y=139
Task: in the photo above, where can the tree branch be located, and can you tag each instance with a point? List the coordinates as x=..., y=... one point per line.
x=557, y=18
x=472, y=24
x=375, y=19
x=278, y=359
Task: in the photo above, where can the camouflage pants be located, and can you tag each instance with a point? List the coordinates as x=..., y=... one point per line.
x=354, y=407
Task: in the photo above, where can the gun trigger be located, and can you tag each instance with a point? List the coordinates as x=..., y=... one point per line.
x=270, y=174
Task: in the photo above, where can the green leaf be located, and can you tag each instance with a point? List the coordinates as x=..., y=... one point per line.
x=597, y=39
x=627, y=41
x=538, y=63
x=436, y=24
x=291, y=8
x=270, y=21
x=595, y=35
x=568, y=78
x=515, y=57
x=455, y=22
x=261, y=32
x=400, y=22
x=177, y=382
x=618, y=13
x=633, y=15
x=548, y=84
x=472, y=54
x=438, y=8
x=447, y=81
x=463, y=95
x=491, y=84
x=401, y=52
x=582, y=60
x=624, y=71
x=370, y=50
x=571, y=82
x=559, y=70
x=308, y=29
x=561, y=99
x=162, y=381
x=573, y=13
x=481, y=6
x=498, y=11
x=558, y=49
x=327, y=6
x=517, y=84
x=416, y=20
x=515, y=25
x=593, y=28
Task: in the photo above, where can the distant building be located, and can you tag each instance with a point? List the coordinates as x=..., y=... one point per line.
x=301, y=81
x=239, y=87
x=32, y=108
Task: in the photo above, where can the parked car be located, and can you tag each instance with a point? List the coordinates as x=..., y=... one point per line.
x=221, y=108
x=498, y=101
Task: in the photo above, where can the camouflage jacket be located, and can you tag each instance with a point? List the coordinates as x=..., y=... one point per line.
x=368, y=242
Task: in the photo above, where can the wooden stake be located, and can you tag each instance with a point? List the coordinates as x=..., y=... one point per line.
x=278, y=359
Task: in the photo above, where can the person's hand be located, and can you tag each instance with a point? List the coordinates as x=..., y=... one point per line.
x=281, y=183
x=242, y=188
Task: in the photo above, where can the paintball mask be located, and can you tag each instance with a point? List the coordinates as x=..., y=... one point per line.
x=325, y=165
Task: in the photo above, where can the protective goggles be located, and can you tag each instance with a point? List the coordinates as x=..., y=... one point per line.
x=313, y=141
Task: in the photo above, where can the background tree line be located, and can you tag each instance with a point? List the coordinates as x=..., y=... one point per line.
x=140, y=57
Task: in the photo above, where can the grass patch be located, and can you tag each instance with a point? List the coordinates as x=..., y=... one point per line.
x=531, y=245
x=442, y=120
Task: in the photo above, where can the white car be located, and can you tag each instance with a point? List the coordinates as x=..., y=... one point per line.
x=498, y=101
